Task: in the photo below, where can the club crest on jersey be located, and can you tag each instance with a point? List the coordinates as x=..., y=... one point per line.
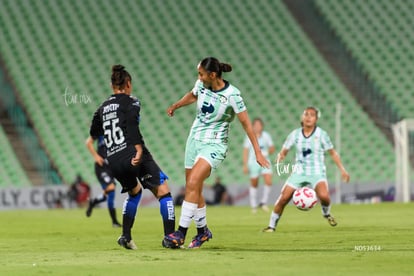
x=223, y=99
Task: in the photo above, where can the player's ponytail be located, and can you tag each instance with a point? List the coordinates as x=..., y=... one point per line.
x=212, y=64
x=225, y=67
x=120, y=76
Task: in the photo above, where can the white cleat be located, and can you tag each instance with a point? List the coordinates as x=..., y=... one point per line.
x=127, y=244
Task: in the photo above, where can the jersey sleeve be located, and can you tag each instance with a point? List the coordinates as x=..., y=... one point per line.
x=326, y=141
x=132, y=123
x=237, y=103
x=96, y=129
x=196, y=87
x=290, y=140
x=269, y=139
x=246, y=143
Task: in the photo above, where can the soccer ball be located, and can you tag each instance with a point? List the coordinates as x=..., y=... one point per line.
x=304, y=198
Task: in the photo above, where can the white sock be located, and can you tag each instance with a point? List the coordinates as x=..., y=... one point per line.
x=326, y=210
x=253, y=196
x=200, y=217
x=274, y=218
x=188, y=210
x=266, y=192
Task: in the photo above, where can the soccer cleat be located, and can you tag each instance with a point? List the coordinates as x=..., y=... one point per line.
x=122, y=241
x=166, y=244
x=92, y=203
x=264, y=207
x=331, y=220
x=198, y=240
x=174, y=240
x=269, y=230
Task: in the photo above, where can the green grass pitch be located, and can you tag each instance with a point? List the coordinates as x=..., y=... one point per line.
x=369, y=239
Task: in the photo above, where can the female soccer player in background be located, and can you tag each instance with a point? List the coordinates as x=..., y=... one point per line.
x=251, y=167
x=117, y=119
x=311, y=143
x=105, y=177
x=217, y=104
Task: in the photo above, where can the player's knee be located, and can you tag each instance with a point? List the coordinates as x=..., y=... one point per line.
x=168, y=195
x=192, y=185
x=134, y=192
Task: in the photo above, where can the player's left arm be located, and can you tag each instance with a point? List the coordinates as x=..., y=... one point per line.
x=247, y=126
x=338, y=162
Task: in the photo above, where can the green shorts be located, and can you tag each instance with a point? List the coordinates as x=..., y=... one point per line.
x=255, y=170
x=213, y=153
x=297, y=181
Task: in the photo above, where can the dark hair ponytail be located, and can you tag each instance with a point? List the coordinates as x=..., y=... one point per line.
x=120, y=76
x=212, y=64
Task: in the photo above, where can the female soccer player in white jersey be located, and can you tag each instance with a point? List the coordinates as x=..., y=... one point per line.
x=251, y=167
x=217, y=104
x=311, y=143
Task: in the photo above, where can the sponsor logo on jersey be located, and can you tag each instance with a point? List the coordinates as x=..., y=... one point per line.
x=207, y=108
x=110, y=108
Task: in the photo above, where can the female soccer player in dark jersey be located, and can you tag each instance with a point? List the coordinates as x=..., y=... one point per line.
x=218, y=102
x=117, y=119
x=105, y=177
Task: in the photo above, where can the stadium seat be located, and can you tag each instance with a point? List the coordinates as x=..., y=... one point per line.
x=72, y=44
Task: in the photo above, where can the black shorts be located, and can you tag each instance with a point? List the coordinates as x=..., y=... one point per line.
x=147, y=172
x=104, y=175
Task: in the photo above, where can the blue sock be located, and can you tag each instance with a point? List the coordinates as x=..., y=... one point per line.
x=111, y=199
x=167, y=213
x=129, y=212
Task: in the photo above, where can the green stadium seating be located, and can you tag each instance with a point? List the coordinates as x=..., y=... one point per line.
x=58, y=46
x=12, y=173
x=379, y=35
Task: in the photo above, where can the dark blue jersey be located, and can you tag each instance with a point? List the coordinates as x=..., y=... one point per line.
x=117, y=120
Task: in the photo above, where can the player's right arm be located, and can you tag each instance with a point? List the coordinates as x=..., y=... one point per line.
x=187, y=99
x=89, y=144
x=290, y=140
x=281, y=155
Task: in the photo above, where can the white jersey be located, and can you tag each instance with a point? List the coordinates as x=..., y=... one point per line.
x=310, y=151
x=215, y=111
x=265, y=142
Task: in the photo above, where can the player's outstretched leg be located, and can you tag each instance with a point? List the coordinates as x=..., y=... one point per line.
x=130, y=210
x=322, y=192
x=284, y=198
